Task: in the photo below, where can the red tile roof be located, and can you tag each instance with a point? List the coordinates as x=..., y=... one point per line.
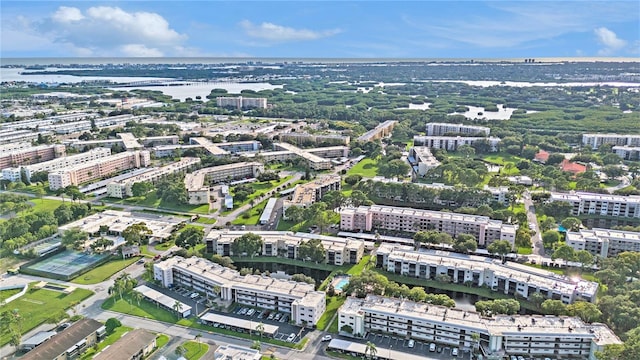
x=542, y=156
x=571, y=167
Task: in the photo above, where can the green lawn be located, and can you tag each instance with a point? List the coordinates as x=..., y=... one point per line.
x=152, y=201
x=261, y=188
x=333, y=304
x=195, y=350
x=36, y=306
x=164, y=246
x=5, y=294
x=206, y=220
x=105, y=271
x=162, y=340
x=43, y=205
x=110, y=339
x=525, y=250
x=366, y=167
x=252, y=216
x=501, y=158
x=150, y=311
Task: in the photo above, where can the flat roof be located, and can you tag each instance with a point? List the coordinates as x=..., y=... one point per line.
x=268, y=210
x=65, y=340
x=161, y=298
x=38, y=338
x=360, y=348
x=239, y=323
x=118, y=221
x=235, y=352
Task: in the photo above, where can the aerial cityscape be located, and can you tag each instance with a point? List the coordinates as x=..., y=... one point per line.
x=326, y=180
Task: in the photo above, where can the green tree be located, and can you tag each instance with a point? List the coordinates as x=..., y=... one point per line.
x=141, y=188
x=370, y=350
x=74, y=238
x=312, y=250
x=571, y=224
x=137, y=234
x=465, y=243
x=586, y=311
x=295, y=214
x=553, y=307
x=248, y=244
x=500, y=247
x=564, y=252
x=111, y=325
x=190, y=237
x=550, y=238
x=177, y=307
x=548, y=224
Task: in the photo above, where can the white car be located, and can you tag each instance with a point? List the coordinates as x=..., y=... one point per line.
x=326, y=338
x=454, y=352
x=432, y=347
x=291, y=337
x=411, y=343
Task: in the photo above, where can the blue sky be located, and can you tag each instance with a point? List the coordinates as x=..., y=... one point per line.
x=321, y=29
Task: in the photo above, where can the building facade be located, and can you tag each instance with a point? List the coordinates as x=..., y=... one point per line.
x=297, y=138
x=368, y=218
x=382, y=130
x=441, y=129
x=300, y=300
x=309, y=193
x=600, y=204
x=452, y=143
x=422, y=160
x=71, y=342
x=604, y=242
x=596, y=140
x=197, y=182
x=240, y=102
x=631, y=153
x=499, y=336
x=22, y=155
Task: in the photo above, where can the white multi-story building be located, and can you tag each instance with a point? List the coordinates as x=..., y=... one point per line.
x=55, y=164
x=121, y=189
x=422, y=160
x=627, y=152
x=440, y=129
x=338, y=251
x=500, y=194
x=380, y=131
x=600, y=204
x=199, y=192
x=509, y=278
x=499, y=336
x=597, y=140
x=368, y=218
x=309, y=193
x=240, y=102
x=604, y=242
x=98, y=168
x=16, y=136
x=452, y=143
x=300, y=300
x=26, y=154
x=314, y=161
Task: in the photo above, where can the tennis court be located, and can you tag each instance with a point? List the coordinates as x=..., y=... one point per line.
x=65, y=265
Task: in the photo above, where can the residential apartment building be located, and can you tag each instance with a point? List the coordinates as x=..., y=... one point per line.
x=604, y=242
x=422, y=160
x=309, y=193
x=197, y=183
x=600, y=204
x=13, y=173
x=26, y=155
x=508, y=278
x=300, y=300
x=339, y=251
x=368, y=218
x=121, y=189
x=17, y=136
x=212, y=148
x=440, y=129
x=98, y=168
x=631, y=153
x=70, y=343
x=452, y=143
x=501, y=335
x=500, y=194
x=134, y=345
x=314, y=161
x=382, y=130
x=297, y=138
x=113, y=223
x=172, y=150
x=597, y=140
x=240, y=102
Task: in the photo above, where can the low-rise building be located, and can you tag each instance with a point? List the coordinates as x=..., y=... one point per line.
x=441, y=129
x=98, y=168
x=631, y=153
x=600, y=204
x=314, y=162
x=298, y=138
x=368, y=218
x=232, y=352
x=422, y=160
x=381, y=130
x=509, y=278
x=70, y=343
x=309, y=193
x=604, y=242
x=300, y=300
x=499, y=336
x=134, y=345
x=338, y=251
x=197, y=182
x=452, y=143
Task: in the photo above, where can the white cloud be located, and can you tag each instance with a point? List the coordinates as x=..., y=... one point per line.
x=278, y=33
x=139, y=50
x=66, y=14
x=609, y=40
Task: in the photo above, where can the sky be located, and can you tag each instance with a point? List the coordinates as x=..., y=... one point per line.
x=320, y=29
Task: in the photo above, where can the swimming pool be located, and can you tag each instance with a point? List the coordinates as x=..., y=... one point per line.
x=341, y=284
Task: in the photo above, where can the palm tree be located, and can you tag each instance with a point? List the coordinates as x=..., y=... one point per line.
x=137, y=296
x=177, y=307
x=476, y=338
x=180, y=350
x=370, y=350
x=260, y=328
x=198, y=337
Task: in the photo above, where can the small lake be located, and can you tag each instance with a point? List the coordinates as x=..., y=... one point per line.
x=424, y=106
x=182, y=92
x=476, y=112
x=15, y=74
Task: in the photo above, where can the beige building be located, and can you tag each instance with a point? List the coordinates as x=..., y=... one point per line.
x=604, y=242
x=508, y=278
x=99, y=168
x=314, y=161
x=383, y=129
x=309, y=193
x=134, y=345
x=298, y=138
x=232, y=352
x=339, y=251
x=300, y=300
x=452, y=143
x=20, y=155
x=441, y=129
x=197, y=183
x=368, y=218
x=422, y=160
x=499, y=336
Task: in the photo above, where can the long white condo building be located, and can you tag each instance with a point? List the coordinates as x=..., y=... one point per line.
x=604, y=242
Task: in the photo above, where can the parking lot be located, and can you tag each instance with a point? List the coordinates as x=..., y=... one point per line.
x=421, y=348
x=183, y=295
x=270, y=317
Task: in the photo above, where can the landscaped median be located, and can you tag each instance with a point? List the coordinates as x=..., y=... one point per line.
x=147, y=310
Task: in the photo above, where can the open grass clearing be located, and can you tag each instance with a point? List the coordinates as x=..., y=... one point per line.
x=366, y=167
x=206, y=220
x=195, y=350
x=38, y=305
x=104, y=271
x=151, y=200
x=42, y=205
x=251, y=216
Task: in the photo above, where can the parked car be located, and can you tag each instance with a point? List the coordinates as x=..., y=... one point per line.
x=454, y=352
x=432, y=347
x=326, y=338
x=439, y=349
x=411, y=343
x=291, y=337
x=271, y=316
x=277, y=317
x=251, y=312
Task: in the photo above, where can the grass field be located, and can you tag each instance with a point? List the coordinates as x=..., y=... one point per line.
x=43, y=205
x=110, y=339
x=261, y=188
x=206, y=220
x=525, y=250
x=104, y=272
x=253, y=215
x=36, y=306
x=195, y=350
x=501, y=158
x=333, y=304
x=366, y=167
x=164, y=246
x=152, y=201
x=4, y=294
x=162, y=340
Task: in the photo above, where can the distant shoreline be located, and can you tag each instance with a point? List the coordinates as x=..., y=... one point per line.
x=5, y=62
